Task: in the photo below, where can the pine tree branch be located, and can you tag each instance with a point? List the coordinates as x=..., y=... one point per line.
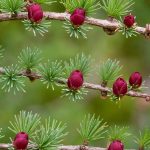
x=67, y=147
x=131, y=93
x=109, y=24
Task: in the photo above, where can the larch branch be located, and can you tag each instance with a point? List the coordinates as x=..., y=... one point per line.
x=131, y=93
x=109, y=24
x=67, y=147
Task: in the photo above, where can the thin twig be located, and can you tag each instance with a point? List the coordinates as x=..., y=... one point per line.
x=67, y=147
x=33, y=76
x=4, y=146
x=109, y=24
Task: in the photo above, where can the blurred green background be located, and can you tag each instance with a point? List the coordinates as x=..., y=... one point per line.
x=133, y=53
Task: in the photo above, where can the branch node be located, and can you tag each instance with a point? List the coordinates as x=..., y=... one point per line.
x=83, y=147
x=147, y=99
x=14, y=15
x=104, y=93
x=31, y=75
x=111, y=31
x=147, y=31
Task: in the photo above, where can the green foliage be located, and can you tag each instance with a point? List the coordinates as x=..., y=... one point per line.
x=118, y=133
x=110, y=70
x=13, y=6
x=128, y=32
x=36, y=28
x=25, y=122
x=44, y=1
x=1, y=136
x=117, y=8
x=76, y=31
x=11, y=79
x=80, y=62
x=42, y=137
x=90, y=6
x=143, y=140
x=92, y=128
x=74, y=94
x=1, y=51
x=49, y=135
x=51, y=72
x=29, y=58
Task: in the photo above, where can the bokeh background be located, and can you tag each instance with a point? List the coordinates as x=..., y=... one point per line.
x=133, y=53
